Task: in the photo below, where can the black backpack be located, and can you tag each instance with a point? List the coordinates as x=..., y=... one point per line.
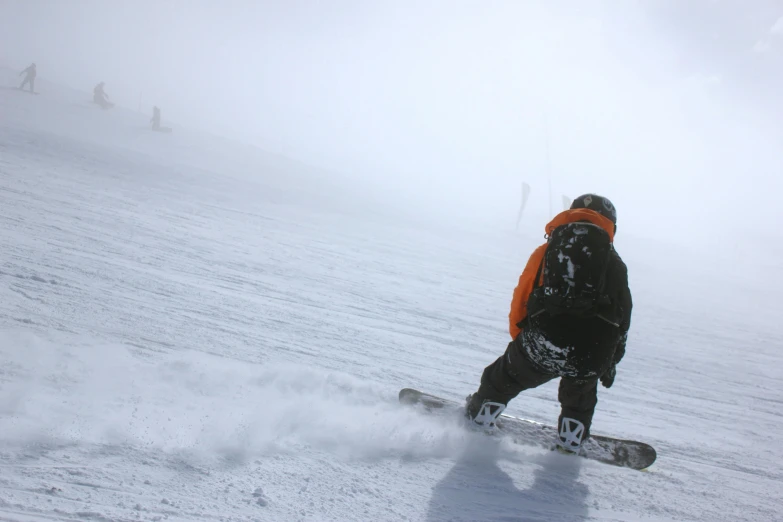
x=574, y=271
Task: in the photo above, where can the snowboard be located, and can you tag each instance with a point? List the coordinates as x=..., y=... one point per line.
x=609, y=450
x=21, y=90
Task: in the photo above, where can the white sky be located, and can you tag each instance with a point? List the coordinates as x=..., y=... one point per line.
x=671, y=108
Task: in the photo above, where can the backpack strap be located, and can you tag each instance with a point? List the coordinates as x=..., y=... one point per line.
x=523, y=323
x=536, y=281
x=534, y=295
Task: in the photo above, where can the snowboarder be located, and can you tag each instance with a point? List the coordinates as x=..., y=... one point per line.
x=569, y=318
x=100, y=97
x=29, y=79
x=155, y=118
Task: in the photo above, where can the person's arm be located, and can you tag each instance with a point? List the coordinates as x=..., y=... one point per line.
x=626, y=306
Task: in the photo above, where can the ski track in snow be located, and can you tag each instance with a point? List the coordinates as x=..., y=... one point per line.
x=187, y=342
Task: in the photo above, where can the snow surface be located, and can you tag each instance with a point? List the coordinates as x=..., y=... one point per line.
x=191, y=330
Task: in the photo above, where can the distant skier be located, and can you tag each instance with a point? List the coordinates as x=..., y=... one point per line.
x=100, y=97
x=29, y=79
x=569, y=318
x=155, y=118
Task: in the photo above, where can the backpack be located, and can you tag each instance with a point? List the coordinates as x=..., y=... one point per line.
x=574, y=271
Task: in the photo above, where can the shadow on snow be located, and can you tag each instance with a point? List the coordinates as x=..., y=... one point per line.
x=476, y=488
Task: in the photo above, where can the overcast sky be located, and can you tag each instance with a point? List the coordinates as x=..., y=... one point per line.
x=669, y=107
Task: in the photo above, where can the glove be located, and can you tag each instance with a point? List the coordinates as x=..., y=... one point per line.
x=607, y=379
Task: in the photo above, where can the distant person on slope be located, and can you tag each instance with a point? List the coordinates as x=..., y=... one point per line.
x=155, y=118
x=569, y=319
x=100, y=97
x=30, y=73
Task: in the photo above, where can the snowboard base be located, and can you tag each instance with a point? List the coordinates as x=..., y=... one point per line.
x=609, y=450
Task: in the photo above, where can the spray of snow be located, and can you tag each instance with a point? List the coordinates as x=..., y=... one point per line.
x=205, y=406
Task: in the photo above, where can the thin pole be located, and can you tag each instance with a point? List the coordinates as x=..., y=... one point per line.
x=548, y=164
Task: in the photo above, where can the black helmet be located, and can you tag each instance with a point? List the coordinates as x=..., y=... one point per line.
x=598, y=203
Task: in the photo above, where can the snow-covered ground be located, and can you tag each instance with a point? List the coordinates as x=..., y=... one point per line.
x=190, y=330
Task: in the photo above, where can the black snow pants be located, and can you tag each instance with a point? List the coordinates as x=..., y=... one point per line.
x=29, y=80
x=513, y=372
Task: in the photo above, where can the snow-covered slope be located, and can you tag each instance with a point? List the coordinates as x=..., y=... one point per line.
x=193, y=332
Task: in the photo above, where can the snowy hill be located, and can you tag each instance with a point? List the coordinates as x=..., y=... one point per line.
x=67, y=119
x=194, y=330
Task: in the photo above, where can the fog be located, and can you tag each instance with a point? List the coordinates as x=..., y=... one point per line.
x=669, y=108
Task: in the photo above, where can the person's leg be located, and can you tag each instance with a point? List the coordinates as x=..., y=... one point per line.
x=578, y=398
x=505, y=378
x=32, y=84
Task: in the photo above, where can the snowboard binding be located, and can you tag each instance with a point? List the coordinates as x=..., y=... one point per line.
x=485, y=414
x=570, y=435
